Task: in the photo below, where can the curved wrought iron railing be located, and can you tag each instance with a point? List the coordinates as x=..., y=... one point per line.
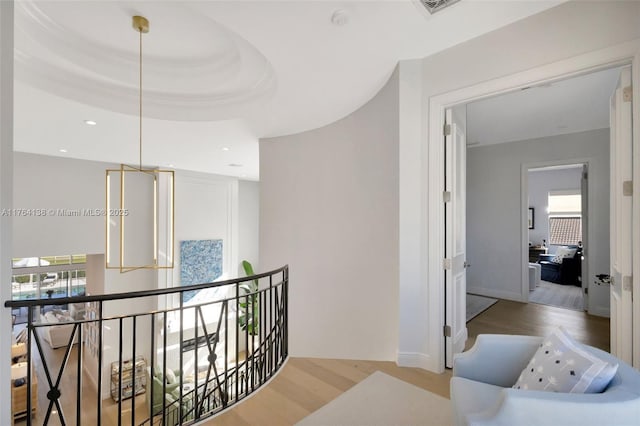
x=179, y=365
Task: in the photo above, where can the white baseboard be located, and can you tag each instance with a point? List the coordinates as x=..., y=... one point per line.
x=601, y=311
x=417, y=360
x=497, y=294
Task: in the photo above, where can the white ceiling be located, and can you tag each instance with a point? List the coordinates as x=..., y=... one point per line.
x=217, y=74
x=567, y=106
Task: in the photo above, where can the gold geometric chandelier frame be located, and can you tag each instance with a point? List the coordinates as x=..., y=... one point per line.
x=143, y=223
x=117, y=215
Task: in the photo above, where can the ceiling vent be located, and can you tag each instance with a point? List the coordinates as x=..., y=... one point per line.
x=434, y=6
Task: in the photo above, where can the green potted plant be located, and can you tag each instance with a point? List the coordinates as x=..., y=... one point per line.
x=249, y=305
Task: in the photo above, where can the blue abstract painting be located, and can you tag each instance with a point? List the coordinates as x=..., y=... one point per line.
x=200, y=262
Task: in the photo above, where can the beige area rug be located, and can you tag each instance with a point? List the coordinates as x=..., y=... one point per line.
x=562, y=296
x=382, y=400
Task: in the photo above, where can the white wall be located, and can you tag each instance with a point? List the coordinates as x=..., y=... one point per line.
x=494, y=215
x=558, y=34
x=329, y=209
x=6, y=183
x=540, y=183
x=206, y=208
x=55, y=183
x=249, y=218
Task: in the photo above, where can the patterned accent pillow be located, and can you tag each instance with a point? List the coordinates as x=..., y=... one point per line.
x=562, y=365
x=563, y=252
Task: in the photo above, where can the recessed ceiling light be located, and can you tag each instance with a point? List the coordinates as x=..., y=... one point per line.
x=171, y=165
x=62, y=150
x=235, y=165
x=225, y=149
x=90, y=122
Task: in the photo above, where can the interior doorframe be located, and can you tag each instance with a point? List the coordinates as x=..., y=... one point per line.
x=524, y=206
x=618, y=55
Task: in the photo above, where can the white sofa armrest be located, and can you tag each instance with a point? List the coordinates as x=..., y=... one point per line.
x=496, y=359
x=553, y=408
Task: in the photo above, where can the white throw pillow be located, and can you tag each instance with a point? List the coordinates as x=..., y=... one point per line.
x=564, y=252
x=171, y=377
x=51, y=318
x=562, y=365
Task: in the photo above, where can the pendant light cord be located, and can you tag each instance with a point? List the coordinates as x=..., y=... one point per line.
x=140, y=100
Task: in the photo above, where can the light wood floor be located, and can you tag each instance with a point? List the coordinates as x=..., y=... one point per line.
x=304, y=385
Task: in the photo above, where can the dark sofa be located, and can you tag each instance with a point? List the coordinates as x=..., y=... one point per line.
x=569, y=272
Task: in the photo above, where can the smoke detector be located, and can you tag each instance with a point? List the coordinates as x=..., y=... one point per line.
x=434, y=6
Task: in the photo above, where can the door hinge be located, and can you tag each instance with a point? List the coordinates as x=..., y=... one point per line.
x=446, y=196
x=627, y=188
x=586, y=290
x=447, y=331
x=627, y=94
x=585, y=175
x=446, y=130
x=446, y=264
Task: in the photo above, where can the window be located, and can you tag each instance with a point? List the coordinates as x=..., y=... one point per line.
x=47, y=277
x=565, y=217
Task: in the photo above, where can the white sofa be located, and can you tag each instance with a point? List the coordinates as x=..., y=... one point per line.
x=56, y=335
x=481, y=392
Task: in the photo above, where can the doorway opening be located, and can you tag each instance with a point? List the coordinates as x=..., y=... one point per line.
x=538, y=127
x=557, y=215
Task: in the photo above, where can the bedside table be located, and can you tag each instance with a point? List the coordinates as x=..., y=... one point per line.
x=534, y=252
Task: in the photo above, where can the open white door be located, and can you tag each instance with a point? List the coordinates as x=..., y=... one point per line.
x=621, y=219
x=455, y=239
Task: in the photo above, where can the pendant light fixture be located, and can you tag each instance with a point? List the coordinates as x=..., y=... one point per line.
x=139, y=207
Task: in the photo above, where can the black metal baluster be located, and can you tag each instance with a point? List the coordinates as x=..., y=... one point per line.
x=30, y=331
x=164, y=367
x=225, y=397
x=152, y=368
x=79, y=353
x=285, y=292
x=180, y=357
x=195, y=372
x=135, y=367
x=120, y=371
x=272, y=325
x=100, y=361
x=253, y=342
x=237, y=338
